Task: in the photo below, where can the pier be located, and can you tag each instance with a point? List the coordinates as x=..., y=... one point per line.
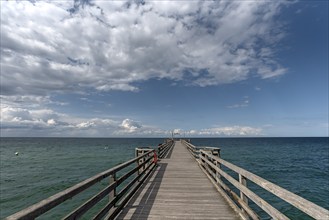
x=177, y=180
x=178, y=189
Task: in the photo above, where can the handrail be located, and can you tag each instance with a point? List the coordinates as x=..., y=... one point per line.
x=91, y=202
x=211, y=164
x=208, y=160
x=193, y=149
x=164, y=148
x=55, y=200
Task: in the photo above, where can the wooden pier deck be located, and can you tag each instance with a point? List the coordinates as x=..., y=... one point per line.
x=178, y=189
x=187, y=183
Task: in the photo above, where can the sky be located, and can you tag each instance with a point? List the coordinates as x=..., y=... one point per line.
x=139, y=68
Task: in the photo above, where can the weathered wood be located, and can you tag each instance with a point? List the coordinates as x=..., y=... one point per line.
x=273, y=212
x=164, y=148
x=129, y=195
x=193, y=150
x=238, y=200
x=302, y=204
x=233, y=195
x=113, y=193
x=98, y=197
x=51, y=202
x=178, y=189
x=224, y=194
x=243, y=181
x=244, y=198
x=105, y=210
x=90, y=203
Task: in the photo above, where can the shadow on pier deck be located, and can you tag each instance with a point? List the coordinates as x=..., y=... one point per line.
x=187, y=183
x=178, y=189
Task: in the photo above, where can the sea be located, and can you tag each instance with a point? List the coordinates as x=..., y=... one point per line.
x=32, y=169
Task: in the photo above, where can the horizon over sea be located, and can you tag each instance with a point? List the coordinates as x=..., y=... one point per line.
x=47, y=165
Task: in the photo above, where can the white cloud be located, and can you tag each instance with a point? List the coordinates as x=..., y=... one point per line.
x=244, y=103
x=122, y=87
x=177, y=131
x=58, y=46
x=87, y=124
x=46, y=122
x=130, y=126
x=15, y=114
x=231, y=131
x=30, y=101
x=17, y=121
x=51, y=122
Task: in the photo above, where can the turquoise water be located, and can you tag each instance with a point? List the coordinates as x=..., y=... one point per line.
x=46, y=166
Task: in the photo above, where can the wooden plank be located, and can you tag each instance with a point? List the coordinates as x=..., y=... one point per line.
x=302, y=204
x=122, y=193
x=51, y=202
x=111, y=190
x=273, y=212
x=178, y=189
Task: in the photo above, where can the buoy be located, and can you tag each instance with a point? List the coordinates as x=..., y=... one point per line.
x=16, y=153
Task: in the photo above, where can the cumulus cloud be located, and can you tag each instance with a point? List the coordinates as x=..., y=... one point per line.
x=177, y=131
x=130, y=126
x=58, y=46
x=17, y=121
x=51, y=122
x=225, y=131
x=231, y=131
x=22, y=118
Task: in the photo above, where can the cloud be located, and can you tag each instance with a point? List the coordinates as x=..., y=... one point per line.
x=245, y=103
x=51, y=48
x=51, y=121
x=231, y=131
x=178, y=131
x=29, y=101
x=130, y=126
x=16, y=121
x=60, y=46
x=46, y=122
x=22, y=118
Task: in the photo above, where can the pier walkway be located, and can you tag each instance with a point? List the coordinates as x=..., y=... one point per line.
x=178, y=189
x=175, y=180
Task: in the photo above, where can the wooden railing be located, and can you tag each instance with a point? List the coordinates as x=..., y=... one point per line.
x=164, y=149
x=145, y=164
x=193, y=149
x=211, y=163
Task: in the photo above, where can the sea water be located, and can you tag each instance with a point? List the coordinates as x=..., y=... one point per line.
x=45, y=166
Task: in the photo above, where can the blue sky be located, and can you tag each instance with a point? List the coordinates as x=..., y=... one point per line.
x=143, y=69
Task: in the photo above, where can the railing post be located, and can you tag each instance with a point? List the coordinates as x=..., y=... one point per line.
x=139, y=152
x=206, y=164
x=218, y=177
x=216, y=153
x=216, y=172
x=137, y=162
x=243, y=181
x=113, y=193
x=201, y=160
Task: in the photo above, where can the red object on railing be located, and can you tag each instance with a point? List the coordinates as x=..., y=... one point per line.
x=155, y=157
